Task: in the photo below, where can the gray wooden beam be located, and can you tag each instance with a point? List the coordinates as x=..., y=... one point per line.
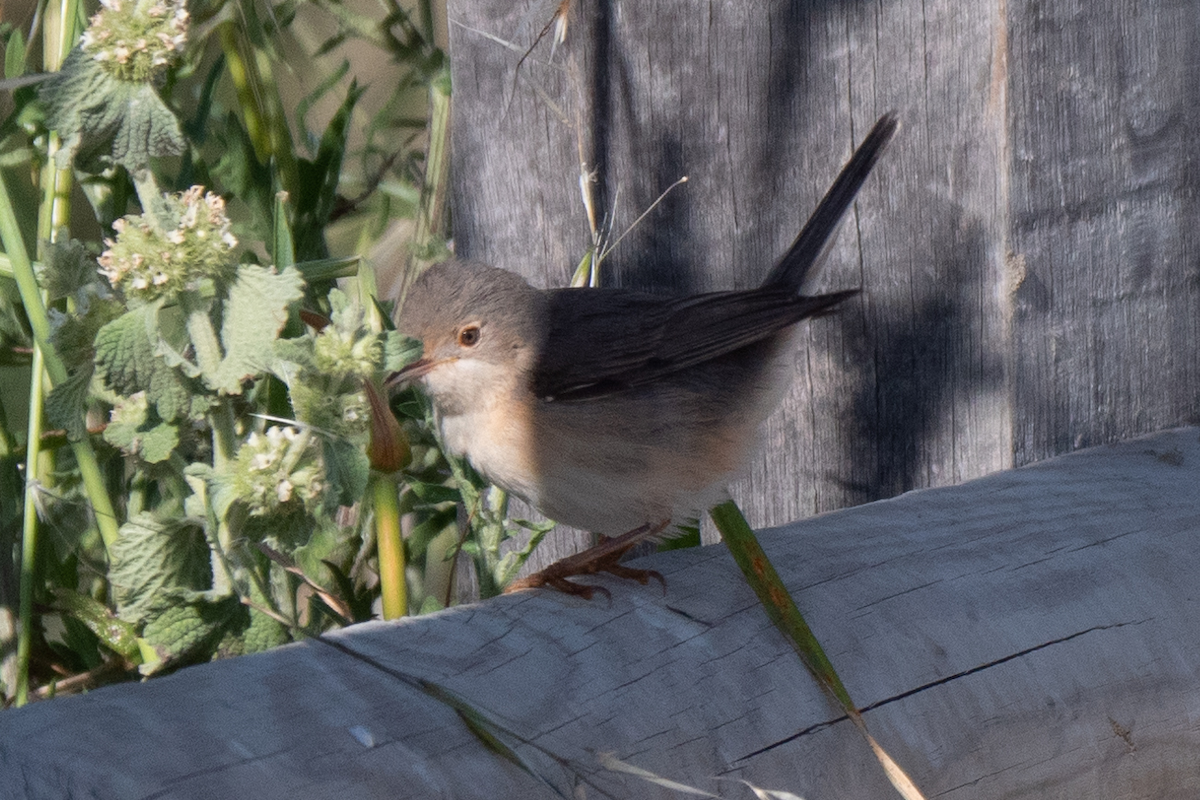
x=1027, y=634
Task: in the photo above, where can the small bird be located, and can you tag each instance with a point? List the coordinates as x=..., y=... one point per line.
x=613, y=410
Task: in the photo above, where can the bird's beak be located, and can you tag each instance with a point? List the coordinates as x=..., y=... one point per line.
x=415, y=370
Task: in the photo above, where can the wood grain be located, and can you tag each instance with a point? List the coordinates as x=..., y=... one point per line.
x=1027, y=634
x=1026, y=249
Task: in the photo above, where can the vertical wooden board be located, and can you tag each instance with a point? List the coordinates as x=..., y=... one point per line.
x=912, y=389
x=759, y=104
x=1104, y=174
x=514, y=182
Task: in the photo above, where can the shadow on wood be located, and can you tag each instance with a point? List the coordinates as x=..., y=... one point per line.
x=1028, y=634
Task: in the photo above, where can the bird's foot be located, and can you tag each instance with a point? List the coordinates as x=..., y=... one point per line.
x=604, y=557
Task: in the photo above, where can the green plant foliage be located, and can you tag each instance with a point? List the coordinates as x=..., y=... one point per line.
x=152, y=556
x=189, y=624
x=253, y=317
x=100, y=116
x=222, y=397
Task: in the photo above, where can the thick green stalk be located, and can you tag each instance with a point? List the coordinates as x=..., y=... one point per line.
x=39, y=321
x=392, y=583
x=29, y=528
x=225, y=441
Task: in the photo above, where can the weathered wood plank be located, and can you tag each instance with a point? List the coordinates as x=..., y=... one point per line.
x=1028, y=634
x=1104, y=203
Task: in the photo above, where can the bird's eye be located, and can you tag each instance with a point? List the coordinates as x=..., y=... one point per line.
x=468, y=335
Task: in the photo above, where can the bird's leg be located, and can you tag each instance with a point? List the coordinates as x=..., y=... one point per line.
x=603, y=557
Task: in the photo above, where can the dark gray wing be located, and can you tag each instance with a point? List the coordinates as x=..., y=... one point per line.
x=603, y=341
x=606, y=340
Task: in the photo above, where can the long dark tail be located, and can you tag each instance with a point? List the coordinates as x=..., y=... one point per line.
x=810, y=245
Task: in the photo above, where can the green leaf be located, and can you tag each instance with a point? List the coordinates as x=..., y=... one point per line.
x=98, y=115
x=776, y=601
x=434, y=493
x=283, y=250
x=423, y=533
x=328, y=269
x=159, y=442
x=66, y=268
x=67, y=402
x=124, y=353
x=169, y=393
x=153, y=557
x=319, y=181
x=128, y=362
x=264, y=633
x=128, y=419
x=14, y=55
x=188, y=629
x=346, y=469
x=239, y=170
x=328, y=83
x=292, y=355
x=74, y=334
x=254, y=315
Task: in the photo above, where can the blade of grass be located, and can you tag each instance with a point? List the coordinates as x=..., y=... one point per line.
x=39, y=321
x=782, y=610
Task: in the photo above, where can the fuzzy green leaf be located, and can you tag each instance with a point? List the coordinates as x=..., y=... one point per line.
x=66, y=268
x=159, y=442
x=264, y=633
x=169, y=393
x=188, y=629
x=293, y=353
x=73, y=334
x=99, y=115
x=152, y=557
x=124, y=353
x=128, y=419
x=255, y=313
x=346, y=469
x=127, y=362
x=67, y=401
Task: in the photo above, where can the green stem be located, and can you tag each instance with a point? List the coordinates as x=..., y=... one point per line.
x=385, y=503
x=29, y=528
x=216, y=532
x=764, y=580
x=203, y=337
x=224, y=435
x=39, y=322
x=436, y=185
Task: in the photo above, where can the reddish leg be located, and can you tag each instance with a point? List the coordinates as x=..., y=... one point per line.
x=604, y=557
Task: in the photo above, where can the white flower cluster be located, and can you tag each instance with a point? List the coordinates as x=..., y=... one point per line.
x=147, y=261
x=136, y=39
x=278, y=467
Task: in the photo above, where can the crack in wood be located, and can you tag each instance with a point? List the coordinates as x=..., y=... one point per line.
x=933, y=684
